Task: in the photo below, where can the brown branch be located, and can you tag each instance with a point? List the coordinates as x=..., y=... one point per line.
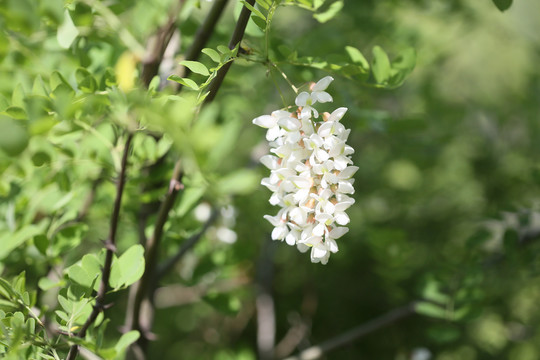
x=151, y=256
x=315, y=352
x=164, y=268
x=203, y=35
x=157, y=46
x=237, y=36
x=110, y=245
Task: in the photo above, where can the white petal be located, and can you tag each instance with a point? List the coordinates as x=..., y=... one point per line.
x=329, y=208
x=289, y=123
x=318, y=252
x=324, y=218
x=284, y=173
x=337, y=149
x=318, y=230
x=280, y=114
x=338, y=232
x=301, y=99
x=275, y=199
x=324, y=260
x=326, y=129
x=342, y=218
x=331, y=178
x=302, y=247
x=271, y=186
x=291, y=238
x=345, y=187
x=265, y=121
x=300, y=182
x=337, y=114
x=323, y=83
x=270, y=161
x=341, y=162
x=301, y=196
x=344, y=205
x=331, y=245
x=273, y=133
x=298, y=215
x=348, y=172
x=321, y=96
x=279, y=232
x=274, y=220
x=321, y=155
x=293, y=137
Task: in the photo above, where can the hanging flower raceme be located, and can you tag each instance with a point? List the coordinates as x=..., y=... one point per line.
x=311, y=173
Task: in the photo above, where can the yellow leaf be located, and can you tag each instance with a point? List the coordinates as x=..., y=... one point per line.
x=125, y=71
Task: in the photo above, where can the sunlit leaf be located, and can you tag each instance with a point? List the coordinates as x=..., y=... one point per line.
x=195, y=67
x=67, y=32
x=380, y=65
x=330, y=13
x=213, y=54
x=184, y=81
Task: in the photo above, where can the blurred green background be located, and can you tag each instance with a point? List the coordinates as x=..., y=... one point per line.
x=447, y=194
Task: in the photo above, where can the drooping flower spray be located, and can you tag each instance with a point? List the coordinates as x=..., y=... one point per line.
x=311, y=173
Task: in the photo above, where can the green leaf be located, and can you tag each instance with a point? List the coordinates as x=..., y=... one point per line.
x=67, y=32
x=19, y=283
x=41, y=242
x=128, y=268
x=4, y=103
x=17, y=98
x=6, y=290
x=8, y=306
x=262, y=3
x=57, y=79
x=13, y=140
x=195, y=67
x=253, y=10
x=126, y=340
x=39, y=87
x=330, y=13
x=223, y=49
x=184, y=81
x=85, y=80
x=47, y=284
x=16, y=113
x=213, y=54
x=261, y=24
x=503, y=5
x=190, y=197
x=402, y=66
x=431, y=310
x=380, y=65
x=317, y=4
x=357, y=57
x=432, y=292
x=10, y=241
x=87, y=272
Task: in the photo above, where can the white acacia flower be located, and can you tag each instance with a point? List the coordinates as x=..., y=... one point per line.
x=306, y=100
x=311, y=174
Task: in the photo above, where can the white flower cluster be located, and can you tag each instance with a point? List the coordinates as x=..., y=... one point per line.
x=311, y=174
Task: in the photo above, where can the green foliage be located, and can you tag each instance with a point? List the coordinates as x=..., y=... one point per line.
x=503, y=4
